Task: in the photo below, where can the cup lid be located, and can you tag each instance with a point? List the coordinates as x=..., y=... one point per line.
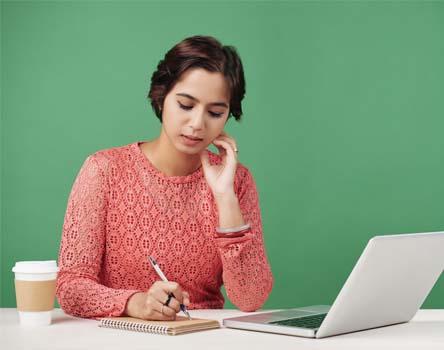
x=48, y=266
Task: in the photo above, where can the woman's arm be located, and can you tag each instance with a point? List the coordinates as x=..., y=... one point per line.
x=82, y=247
x=246, y=272
x=230, y=214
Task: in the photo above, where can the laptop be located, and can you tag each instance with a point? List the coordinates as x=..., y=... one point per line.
x=387, y=286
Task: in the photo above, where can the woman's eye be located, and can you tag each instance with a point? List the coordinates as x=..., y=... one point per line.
x=187, y=108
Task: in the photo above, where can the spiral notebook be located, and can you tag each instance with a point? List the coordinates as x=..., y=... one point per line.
x=179, y=326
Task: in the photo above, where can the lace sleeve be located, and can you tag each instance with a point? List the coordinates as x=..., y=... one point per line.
x=82, y=246
x=246, y=272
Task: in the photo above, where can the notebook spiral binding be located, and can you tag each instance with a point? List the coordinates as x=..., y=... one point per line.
x=131, y=326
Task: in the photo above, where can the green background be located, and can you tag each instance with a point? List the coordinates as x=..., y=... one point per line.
x=343, y=120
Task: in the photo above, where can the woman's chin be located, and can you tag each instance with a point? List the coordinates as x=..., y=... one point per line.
x=191, y=150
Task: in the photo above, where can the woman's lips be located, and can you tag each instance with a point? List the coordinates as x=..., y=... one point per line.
x=190, y=141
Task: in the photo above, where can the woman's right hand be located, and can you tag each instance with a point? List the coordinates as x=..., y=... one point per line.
x=150, y=305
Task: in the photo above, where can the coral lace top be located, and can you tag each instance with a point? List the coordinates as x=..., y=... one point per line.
x=122, y=209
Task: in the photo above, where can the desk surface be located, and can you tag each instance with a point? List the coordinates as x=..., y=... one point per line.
x=425, y=331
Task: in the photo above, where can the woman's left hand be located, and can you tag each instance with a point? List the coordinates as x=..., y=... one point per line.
x=220, y=177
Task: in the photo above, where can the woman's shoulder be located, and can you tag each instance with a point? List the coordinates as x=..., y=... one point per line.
x=115, y=156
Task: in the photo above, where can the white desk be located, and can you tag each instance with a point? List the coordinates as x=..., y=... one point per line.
x=425, y=331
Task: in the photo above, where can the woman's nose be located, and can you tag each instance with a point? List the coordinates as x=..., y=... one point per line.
x=197, y=120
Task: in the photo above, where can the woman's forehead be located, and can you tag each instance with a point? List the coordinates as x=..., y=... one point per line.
x=206, y=87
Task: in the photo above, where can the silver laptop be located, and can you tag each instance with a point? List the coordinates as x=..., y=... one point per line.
x=387, y=286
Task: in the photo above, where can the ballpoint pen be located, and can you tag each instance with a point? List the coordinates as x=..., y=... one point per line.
x=163, y=277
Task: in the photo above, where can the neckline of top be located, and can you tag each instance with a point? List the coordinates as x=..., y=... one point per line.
x=194, y=176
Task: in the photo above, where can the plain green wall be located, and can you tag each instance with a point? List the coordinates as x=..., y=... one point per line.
x=343, y=120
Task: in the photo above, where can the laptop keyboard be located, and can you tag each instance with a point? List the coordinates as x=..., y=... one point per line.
x=313, y=321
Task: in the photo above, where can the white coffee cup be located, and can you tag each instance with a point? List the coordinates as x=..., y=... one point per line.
x=35, y=284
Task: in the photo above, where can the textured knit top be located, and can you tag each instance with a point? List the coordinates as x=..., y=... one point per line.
x=122, y=209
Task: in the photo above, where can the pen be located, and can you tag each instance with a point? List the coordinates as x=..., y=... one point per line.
x=163, y=277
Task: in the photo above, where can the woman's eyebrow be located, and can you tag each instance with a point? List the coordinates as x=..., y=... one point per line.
x=221, y=104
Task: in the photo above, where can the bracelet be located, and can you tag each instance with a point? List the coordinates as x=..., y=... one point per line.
x=230, y=235
x=233, y=229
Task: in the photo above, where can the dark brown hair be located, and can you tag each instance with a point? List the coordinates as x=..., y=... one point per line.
x=198, y=52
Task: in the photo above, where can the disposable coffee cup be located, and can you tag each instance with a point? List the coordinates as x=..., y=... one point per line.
x=35, y=285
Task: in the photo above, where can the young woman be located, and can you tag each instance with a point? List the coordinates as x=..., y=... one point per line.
x=196, y=212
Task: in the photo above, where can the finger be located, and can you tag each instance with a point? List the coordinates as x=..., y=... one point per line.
x=186, y=298
x=160, y=294
x=163, y=289
x=164, y=310
x=174, y=304
x=204, y=159
x=228, y=149
x=231, y=141
x=222, y=136
x=153, y=310
x=220, y=148
x=216, y=142
x=173, y=287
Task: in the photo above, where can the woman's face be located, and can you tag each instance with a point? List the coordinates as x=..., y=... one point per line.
x=197, y=106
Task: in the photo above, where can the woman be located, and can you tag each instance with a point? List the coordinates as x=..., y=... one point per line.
x=196, y=212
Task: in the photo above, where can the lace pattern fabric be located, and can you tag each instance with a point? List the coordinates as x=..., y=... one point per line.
x=121, y=209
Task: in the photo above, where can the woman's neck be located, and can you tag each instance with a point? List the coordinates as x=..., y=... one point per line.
x=167, y=159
